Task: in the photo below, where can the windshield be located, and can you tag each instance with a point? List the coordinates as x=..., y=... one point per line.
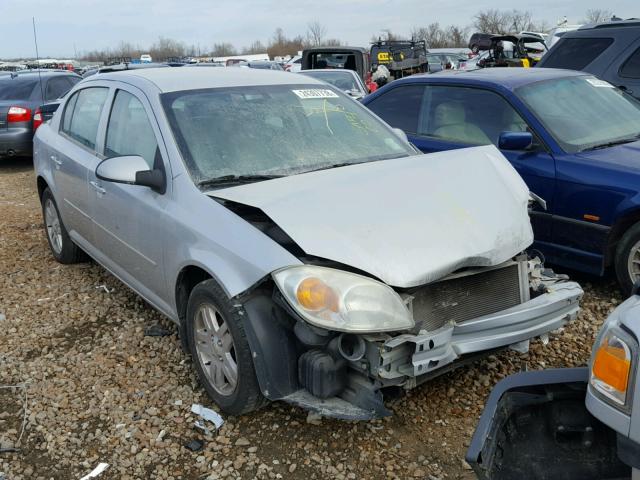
x=16, y=88
x=338, y=78
x=583, y=112
x=275, y=130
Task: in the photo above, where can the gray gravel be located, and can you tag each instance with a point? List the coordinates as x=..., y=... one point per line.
x=101, y=391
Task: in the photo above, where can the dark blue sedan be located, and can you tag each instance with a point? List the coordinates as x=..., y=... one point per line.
x=572, y=137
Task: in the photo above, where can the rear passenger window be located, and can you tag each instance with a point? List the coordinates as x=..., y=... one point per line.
x=400, y=107
x=129, y=131
x=576, y=53
x=82, y=115
x=631, y=68
x=57, y=87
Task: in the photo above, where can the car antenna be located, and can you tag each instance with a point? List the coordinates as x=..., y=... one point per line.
x=35, y=40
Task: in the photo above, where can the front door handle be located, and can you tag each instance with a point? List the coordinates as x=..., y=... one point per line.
x=98, y=188
x=55, y=160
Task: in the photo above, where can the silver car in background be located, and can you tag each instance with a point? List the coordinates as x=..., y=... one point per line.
x=346, y=80
x=319, y=271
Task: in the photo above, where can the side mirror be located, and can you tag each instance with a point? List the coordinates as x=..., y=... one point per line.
x=515, y=140
x=131, y=170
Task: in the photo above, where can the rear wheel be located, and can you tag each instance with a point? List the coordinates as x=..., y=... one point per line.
x=627, y=261
x=61, y=245
x=220, y=350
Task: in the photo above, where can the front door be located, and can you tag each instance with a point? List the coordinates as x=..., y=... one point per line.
x=129, y=220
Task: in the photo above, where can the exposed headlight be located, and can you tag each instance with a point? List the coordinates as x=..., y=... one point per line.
x=342, y=301
x=612, y=364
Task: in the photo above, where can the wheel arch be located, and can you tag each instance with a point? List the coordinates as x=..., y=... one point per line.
x=622, y=224
x=42, y=185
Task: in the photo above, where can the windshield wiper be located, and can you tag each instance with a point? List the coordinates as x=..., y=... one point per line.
x=231, y=179
x=612, y=143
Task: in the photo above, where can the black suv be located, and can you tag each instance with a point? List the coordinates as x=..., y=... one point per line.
x=611, y=51
x=480, y=41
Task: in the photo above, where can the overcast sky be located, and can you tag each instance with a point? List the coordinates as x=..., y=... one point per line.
x=65, y=26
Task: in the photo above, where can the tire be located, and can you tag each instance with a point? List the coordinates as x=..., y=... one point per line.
x=60, y=244
x=628, y=259
x=475, y=49
x=217, y=342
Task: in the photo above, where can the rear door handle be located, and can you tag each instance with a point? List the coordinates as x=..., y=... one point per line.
x=98, y=188
x=55, y=160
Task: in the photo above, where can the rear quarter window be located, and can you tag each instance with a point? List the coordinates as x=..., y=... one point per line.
x=576, y=53
x=631, y=67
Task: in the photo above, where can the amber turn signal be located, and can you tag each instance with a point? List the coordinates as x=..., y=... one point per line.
x=313, y=294
x=612, y=366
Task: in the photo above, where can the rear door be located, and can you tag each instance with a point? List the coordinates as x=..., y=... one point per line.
x=74, y=156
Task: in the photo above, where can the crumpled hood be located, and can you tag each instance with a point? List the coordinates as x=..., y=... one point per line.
x=407, y=221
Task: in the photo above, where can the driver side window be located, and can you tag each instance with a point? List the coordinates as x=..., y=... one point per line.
x=466, y=115
x=129, y=131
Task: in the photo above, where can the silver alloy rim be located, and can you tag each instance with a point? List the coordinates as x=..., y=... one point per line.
x=215, y=348
x=633, y=262
x=52, y=222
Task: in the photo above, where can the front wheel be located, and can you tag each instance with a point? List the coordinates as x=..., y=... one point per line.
x=220, y=351
x=627, y=261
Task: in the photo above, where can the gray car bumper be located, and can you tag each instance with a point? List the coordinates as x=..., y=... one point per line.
x=417, y=355
x=16, y=141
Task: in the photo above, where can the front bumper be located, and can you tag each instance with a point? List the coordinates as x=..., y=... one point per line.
x=16, y=142
x=411, y=357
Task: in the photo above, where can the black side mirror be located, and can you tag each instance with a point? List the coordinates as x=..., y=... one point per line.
x=154, y=179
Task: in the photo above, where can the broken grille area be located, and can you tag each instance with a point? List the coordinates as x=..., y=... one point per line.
x=466, y=297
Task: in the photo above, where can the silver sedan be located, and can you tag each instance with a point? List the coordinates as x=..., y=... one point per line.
x=305, y=250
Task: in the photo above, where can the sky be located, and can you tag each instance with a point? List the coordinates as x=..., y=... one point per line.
x=65, y=27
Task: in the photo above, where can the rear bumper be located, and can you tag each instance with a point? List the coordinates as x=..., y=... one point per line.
x=16, y=142
x=419, y=355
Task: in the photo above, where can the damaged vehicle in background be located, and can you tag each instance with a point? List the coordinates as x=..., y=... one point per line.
x=320, y=275
x=573, y=423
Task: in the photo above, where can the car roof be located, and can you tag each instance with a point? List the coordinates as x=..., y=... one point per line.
x=177, y=79
x=633, y=22
x=510, y=78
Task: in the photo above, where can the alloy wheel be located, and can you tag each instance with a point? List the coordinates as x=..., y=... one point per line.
x=52, y=222
x=215, y=349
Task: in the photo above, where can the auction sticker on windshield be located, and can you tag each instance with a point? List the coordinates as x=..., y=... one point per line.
x=315, y=93
x=596, y=82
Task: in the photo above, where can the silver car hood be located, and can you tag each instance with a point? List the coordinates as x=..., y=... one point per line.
x=407, y=221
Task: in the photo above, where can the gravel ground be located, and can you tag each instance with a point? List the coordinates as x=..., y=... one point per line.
x=101, y=391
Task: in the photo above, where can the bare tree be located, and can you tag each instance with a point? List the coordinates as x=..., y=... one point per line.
x=316, y=33
x=492, y=21
x=281, y=46
x=223, y=49
x=597, y=15
x=520, y=21
x=456, y=36
x=255, y=47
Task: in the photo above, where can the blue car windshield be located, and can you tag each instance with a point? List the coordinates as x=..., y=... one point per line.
x=275, y=130
x=583, y=112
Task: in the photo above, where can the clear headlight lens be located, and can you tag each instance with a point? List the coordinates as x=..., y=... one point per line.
x=611, y=365
x=342, y=301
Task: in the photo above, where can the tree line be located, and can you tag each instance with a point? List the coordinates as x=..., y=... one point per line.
x=435, y=35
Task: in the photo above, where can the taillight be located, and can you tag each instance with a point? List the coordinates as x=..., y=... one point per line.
x=37, y=119
x=18, y=114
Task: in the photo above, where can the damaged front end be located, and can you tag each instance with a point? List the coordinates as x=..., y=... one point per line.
x=342, y=370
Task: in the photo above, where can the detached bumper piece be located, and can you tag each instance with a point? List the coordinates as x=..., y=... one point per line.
x=535, y=425
x=419, y=355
